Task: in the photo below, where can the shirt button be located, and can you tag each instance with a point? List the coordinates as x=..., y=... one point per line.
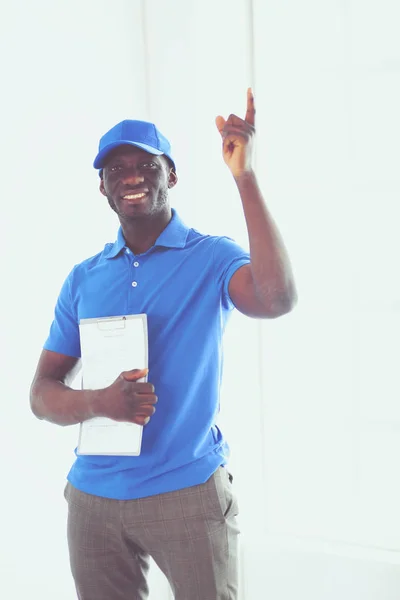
x=135, y=264
x=134, y=283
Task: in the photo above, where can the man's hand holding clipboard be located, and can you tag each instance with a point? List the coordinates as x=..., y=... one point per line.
x=128, y=399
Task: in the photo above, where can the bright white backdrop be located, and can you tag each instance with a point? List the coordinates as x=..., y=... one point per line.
x=310, y=401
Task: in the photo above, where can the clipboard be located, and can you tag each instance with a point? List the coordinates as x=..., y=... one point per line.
x=109, y=346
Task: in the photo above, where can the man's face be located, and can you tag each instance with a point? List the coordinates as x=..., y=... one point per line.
x=136, y=183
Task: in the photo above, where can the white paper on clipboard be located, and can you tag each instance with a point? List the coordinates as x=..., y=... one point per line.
x=109, y=346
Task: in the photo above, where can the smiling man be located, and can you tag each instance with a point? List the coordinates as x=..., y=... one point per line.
x=174, y=502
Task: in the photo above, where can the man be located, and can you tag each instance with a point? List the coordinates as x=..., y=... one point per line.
x=175, y=501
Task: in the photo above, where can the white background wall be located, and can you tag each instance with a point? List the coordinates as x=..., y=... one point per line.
x=310, y=401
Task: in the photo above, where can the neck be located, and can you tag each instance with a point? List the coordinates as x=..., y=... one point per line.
x=141, y=234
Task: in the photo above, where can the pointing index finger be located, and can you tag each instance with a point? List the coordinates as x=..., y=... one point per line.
x=251, y=111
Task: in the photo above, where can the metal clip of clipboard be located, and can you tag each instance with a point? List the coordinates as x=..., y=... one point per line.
x=112, y=325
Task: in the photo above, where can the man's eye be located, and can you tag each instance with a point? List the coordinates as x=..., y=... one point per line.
x=115, y=168
x=149, y=164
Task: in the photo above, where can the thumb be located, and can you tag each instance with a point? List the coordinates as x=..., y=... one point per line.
x=134, y=374
x=220, y=123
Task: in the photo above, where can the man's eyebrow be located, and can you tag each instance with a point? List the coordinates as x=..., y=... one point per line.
x=151, y=157
x=112, y=160
x=119, y=160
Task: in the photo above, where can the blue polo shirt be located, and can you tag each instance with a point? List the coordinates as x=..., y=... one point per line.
x=181, y=283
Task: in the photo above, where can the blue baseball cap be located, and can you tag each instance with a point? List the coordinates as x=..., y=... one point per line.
x=135, y=133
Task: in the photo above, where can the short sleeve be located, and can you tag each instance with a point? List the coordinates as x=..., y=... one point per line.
x=228, y=258
x=64, y=331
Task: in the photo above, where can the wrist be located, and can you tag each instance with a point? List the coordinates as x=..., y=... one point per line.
x=244, y=176
x=95, y=403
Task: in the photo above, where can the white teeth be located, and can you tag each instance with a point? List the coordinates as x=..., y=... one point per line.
x=134, y=196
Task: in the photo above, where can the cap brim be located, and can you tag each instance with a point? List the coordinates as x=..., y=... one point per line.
x=99, y=161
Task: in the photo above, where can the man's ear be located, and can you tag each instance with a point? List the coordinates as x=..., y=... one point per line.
x=101, y=187
x=172, y=179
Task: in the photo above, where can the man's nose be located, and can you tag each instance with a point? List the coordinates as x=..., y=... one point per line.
x=133, y=175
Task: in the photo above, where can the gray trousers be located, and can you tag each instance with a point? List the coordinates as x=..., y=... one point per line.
x=191, y=534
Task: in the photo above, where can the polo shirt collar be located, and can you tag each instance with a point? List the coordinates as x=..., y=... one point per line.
x=174, y=236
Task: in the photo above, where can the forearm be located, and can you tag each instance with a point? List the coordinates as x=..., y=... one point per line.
x=270, y=264
x=57, y=403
